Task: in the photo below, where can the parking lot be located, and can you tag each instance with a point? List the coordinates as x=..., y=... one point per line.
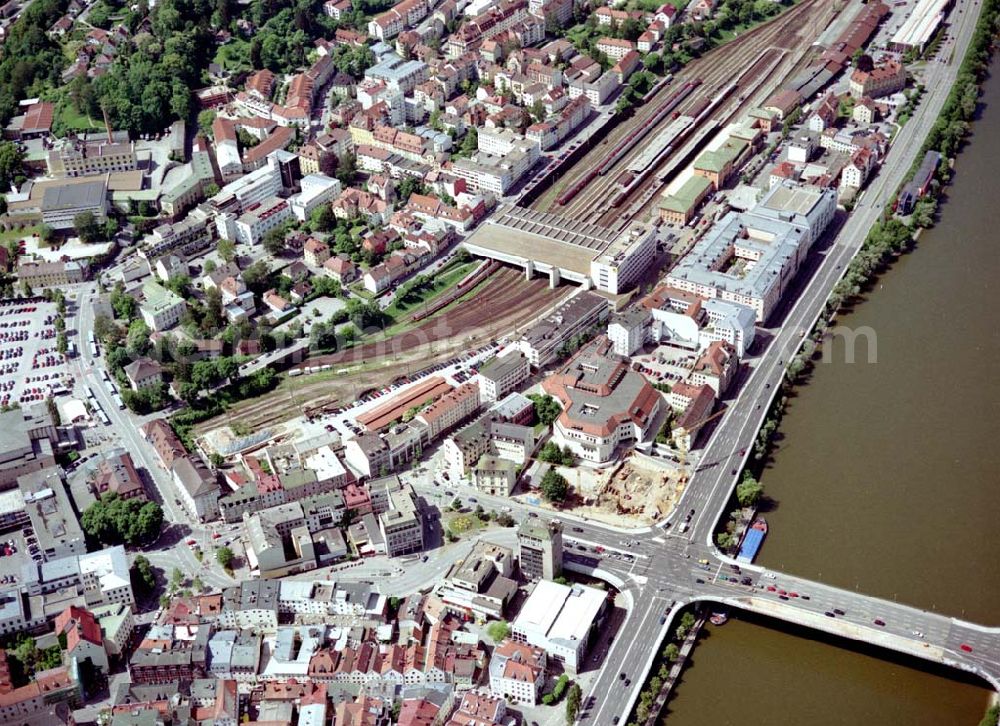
x=14, y=554
x=30, y=367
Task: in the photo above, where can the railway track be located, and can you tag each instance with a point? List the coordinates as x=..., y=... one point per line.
x=715, y=71
x=633, y=201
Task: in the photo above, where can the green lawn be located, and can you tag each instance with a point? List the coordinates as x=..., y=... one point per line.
x=76, y=121
x=16, y=234
x=234, y=55
x=443, y=280
x=401, y=310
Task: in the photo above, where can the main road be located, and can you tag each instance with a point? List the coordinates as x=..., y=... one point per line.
x=125, y=427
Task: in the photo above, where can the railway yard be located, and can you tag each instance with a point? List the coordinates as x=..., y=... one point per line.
x=619, y=179
x=504, y=304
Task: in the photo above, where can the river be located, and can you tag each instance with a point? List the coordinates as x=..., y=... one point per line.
x=886, y=479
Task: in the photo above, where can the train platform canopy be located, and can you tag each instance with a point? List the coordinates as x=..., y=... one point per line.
x=515, y=234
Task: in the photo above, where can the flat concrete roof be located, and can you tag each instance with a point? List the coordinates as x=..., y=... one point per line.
x=798, y=199
x=528, y=246
x=547, y=239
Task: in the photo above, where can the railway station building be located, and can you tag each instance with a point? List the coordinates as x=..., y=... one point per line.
x=718, y=166
x=680, y=207
x=588, y=254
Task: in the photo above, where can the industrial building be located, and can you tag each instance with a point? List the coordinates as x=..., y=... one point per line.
x=920, y=25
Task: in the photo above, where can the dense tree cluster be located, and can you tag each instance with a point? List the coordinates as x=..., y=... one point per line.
x=547, y=409
x=26, y=659
x=554, y=486
x=150, y=84
x=143, y=577
x=552, y=454
x=31, y=60
x=748, y=491
x=11, y=168
x=112, y=520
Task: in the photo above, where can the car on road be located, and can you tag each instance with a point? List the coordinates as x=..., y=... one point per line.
x=839, y=611
x=621, y=676
x=879, y=622
x=577, y=529
x=829, y=614
x=192, y=542
x=699, y=581
x=966, y=647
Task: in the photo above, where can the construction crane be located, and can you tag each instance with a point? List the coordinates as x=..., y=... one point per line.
x=685, y=438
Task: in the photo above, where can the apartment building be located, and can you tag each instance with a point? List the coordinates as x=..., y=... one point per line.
x=502, y=374
x=251, y=227
x=450, y=410
x=161, y=309
x=628, y=331
x=401, y=524
x=197, y=488
x=517, y=672
x=186, y=236
x=47, y=690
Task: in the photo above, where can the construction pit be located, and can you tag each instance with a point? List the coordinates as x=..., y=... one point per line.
x=639, y=490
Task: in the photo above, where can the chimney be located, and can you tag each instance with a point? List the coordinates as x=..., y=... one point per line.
x=107, y=124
